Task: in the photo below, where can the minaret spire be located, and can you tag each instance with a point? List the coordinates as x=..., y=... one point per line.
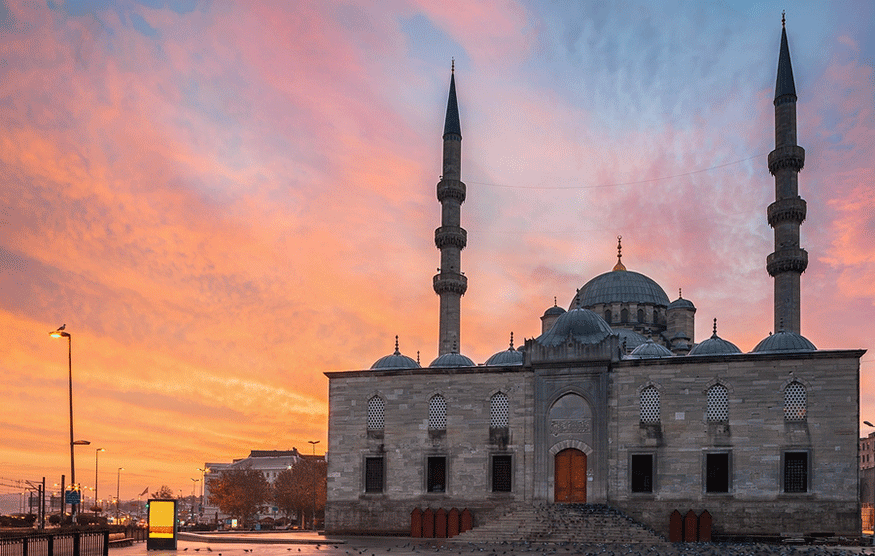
x=450, y=284
x=787, y=213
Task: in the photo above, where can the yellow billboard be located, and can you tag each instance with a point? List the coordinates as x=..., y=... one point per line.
x=162, y=525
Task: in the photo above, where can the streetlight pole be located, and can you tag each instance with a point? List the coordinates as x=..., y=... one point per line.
x=117, y=485
x=60, y=333
x=96, y=452
x=204, y=470
x=313, y=468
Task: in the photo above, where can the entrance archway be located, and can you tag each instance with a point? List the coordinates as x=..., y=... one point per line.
x=570, y=477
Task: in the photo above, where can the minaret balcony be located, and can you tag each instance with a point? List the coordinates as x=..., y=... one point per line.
x=451, y=189
x=450, y=236
x=788, y=156
x=787, y=210
x=787, y=260
x=450, y=282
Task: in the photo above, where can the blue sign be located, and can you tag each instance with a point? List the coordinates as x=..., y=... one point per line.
x=72, y=497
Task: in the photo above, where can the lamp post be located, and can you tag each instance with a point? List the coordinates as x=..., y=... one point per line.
x=204, y=470
x=96, y=452
x=60, y=333
x=117, y=485
x=313, y=443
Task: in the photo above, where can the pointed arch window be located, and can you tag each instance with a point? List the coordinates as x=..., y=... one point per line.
x=608, y=316
x=437, y=413
x=795, y=402
x=650, y=405
x=640, y=315
x=624, y=315
x=499, y=411
x=376, y=413
x=718, y=403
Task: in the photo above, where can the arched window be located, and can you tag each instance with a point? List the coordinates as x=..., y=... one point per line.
x=437, y=413
x=608, y=316
x=376, y=407
x=624, y=315
x=795, y=402
x=655, y=316
x=499, y=410
x=718, y=403
x=640, y=315
x=650, y=405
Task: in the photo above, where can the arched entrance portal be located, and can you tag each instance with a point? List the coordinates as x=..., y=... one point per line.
x=570, y=477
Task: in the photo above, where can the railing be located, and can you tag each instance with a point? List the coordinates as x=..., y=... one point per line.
x=78, y=543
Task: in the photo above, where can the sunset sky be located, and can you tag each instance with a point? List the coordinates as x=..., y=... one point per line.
x=224, y=200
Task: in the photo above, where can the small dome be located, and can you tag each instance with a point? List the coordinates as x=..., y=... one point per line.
x=395, y=361
x=681, y=303
x=583, y=325
x=452, y=360
x=784, y=342
x=510, y=356
x=715, y=345
x=555, y=310
x=650, y=350
x=630, y=338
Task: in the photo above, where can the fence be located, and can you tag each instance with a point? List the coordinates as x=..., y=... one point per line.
x=79, y=543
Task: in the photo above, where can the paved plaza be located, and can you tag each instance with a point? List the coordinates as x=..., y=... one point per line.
x=305, y=544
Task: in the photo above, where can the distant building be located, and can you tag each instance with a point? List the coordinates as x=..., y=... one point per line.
x=270, y=462
x=613, y=403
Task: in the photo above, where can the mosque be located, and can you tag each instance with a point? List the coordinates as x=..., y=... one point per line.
x=615, y=403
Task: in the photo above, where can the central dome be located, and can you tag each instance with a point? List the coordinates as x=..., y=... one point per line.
x=620, y=286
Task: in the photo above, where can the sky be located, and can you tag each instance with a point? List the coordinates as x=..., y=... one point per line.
x=222, y=201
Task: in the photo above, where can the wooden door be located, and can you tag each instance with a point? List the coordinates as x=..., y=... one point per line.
x=570, y=477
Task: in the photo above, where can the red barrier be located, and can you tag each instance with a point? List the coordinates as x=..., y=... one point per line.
x=416, y=523
x=675, y=527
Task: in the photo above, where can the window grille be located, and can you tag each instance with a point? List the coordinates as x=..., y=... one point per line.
x=502, y=469
x=795, y=402
x=437, y=413
x=499, y=411
x=718, y=403
x=642, y=473
x=376, y=412
x=650, y=405
x=796, y=472
x=717, y=472
x=374, y=474
x=436, y=475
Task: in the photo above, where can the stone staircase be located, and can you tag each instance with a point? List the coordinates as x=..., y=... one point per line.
x=574, y=523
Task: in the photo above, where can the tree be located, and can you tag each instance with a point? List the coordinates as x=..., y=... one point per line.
x=293, y=489
x=164, y=493
x=239, y=492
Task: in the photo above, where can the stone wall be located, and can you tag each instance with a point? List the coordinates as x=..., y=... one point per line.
x=756, y=435
x=406, y=443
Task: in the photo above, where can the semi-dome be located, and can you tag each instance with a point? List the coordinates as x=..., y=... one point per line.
x=650, y=350
x=395, y=361
x=510, y=356
x=452, y=360
x=784, y=342
x=715, y=345
x=583, y=325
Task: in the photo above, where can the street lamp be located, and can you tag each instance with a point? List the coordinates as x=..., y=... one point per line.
x=117, y=484
x=194, y=483
x=313, y=443
x=60, y=333
x=96, y=452
x=204, y=470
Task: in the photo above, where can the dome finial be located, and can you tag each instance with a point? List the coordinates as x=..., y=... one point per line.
x=417, y=357
x=554, y=300
x=511, y=341
x=715, y=328
x=782, y=325
x=680, y=293
x=397, y=352
x=619, y=265
x=452, y=65
x=577, y=299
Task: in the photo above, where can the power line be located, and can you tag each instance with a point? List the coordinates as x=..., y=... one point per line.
x=638, y=182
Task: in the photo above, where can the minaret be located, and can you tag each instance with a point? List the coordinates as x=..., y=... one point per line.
x=450, y=284
x=787, y=213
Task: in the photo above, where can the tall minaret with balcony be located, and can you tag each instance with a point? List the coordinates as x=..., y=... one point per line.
x=450, y=284
x=787, y=213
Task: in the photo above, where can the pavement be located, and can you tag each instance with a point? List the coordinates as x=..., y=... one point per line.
x=313, y=544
